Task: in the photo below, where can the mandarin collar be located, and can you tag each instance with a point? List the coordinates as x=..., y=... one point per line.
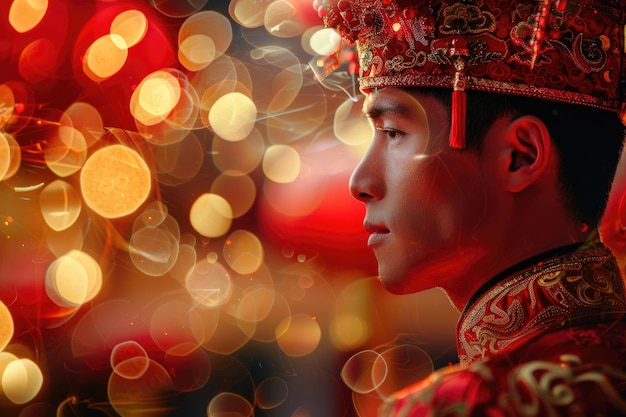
x=571, y=285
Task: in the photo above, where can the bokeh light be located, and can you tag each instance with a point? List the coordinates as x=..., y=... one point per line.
x=115, y=181
x=211, y=215
x=171, y=330
x=271, y=393
x=365, y=371
x=129, y=360
x=247, y=13
x=38, y=60
x=228, y=404
x=141, y=396
x=233, y=116
x=21, y=380
x=7, y=327
x=105, y=57
x=243, y=252
x=325, y=41
x=86, y=119
x=209, y=283
x=238, y=158
x=203, y=37
x=66, y=151
x=60, y=205
x=298, y=336
x=281, y=163
x=5, y=155
x=24, y=15
x=404, y=365
x=238, y=190
x=155, y=97
x=73, y=279
x=131, y=25
x=7, y=104
x=153, y=250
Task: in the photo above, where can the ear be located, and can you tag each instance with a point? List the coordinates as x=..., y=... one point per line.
x=528, y=149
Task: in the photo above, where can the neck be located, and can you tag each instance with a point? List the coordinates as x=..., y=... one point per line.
x=508, y=257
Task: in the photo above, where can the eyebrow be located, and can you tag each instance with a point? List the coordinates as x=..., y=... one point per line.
x=381, y=109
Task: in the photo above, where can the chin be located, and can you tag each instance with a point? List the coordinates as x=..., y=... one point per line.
x=399, y=285
x=409, y=282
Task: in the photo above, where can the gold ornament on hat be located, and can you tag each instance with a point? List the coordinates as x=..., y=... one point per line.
x=568, y=51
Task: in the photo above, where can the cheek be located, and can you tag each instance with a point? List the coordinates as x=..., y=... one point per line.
x=446, y=197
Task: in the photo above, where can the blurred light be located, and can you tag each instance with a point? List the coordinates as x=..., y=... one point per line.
x=228, y=404
x=243, y=252
x=86, y=119
x=404, y=365
x=271, y=393
x=105, y=57
x=7, y=104
x=177, y=8
x=153, y=250
x=196, y=52
x=209, y=284
x=64, y=241
x=297, y=198
x=325, y=41
x=348, y=331
x=14, y=155
x=239, y=191
x=142, y=396
x=350, y=126
x=115, y=181
x=5, y=155
x=247, y=13
x=282, y=19
x=73, y=279
x=60, y=205
x=66, y=150
x=21, y=381
x=38, y=60
x=171, y=330
x=210, y=24
x=281, y=163
x=238, y=158
x=299, y=336
x=211, y=215
x=364, y=372
x=233, y=116
x=129, y=360
x=131, y=25
x=256, y=304
x=24, y=15
x=7, y=326
x=155, y=97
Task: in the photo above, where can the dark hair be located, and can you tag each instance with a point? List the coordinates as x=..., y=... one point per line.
x=589, y=142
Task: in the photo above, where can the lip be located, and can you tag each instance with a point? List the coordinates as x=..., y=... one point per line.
x=377, y=233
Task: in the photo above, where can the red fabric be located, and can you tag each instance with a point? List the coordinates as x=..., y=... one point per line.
x=556, y=346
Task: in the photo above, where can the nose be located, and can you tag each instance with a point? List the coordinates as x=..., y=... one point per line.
x=366, y=182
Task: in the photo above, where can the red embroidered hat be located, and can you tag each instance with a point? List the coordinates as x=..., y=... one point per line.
x=564, y=50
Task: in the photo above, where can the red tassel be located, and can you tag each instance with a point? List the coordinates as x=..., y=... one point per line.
x=459, y=114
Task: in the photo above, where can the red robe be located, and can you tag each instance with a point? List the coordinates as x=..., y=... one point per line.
x=547, y=339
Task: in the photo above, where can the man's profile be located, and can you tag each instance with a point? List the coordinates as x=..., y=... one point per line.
x=496, y=139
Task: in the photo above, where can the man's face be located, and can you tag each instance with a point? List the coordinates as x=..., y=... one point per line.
x=426, y=204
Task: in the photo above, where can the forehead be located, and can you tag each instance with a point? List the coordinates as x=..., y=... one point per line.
x=401, y=102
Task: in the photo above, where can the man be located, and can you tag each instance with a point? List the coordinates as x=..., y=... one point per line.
x=496, y=140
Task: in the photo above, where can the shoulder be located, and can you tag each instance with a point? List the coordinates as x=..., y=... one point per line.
x=497, y=388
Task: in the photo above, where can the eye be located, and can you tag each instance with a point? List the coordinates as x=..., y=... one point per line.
x=391, y=134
